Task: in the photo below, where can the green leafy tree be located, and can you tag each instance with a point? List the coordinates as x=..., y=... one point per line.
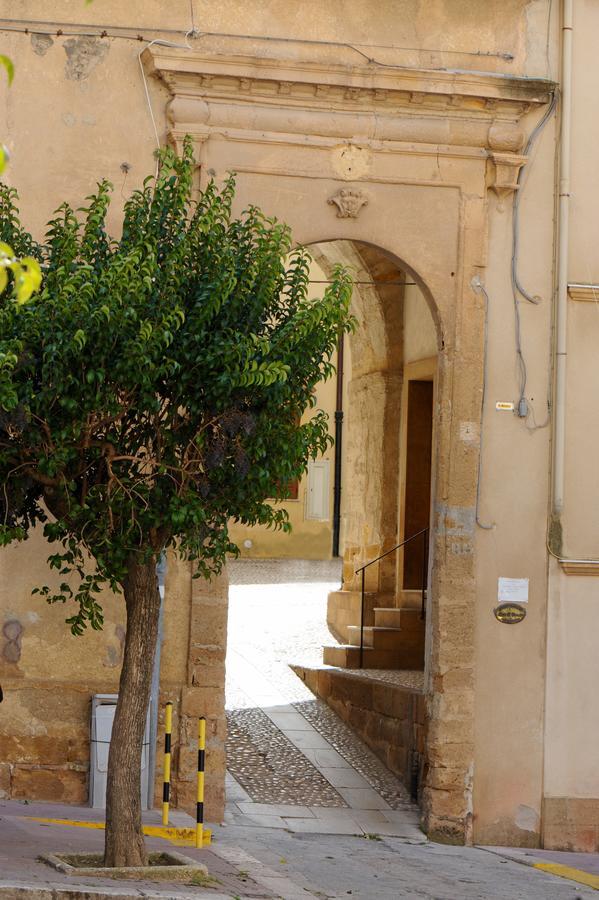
x=150, y=393
x=23, y=275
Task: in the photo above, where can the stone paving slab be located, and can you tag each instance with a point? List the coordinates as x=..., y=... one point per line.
x=308, y=739
x=289, y=721
x=344, y=777
x=328, y=759
x=357, y=755
x=316, y=826
x=363, y=798
x=348, y=867
x=276, y=809
x=24, y=890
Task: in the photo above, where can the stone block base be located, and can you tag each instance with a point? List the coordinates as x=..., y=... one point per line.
x=571, y=823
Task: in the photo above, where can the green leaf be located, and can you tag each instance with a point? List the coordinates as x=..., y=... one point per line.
x=8, y=65
x=80, y=338
x=167, y=373
x=4, y=157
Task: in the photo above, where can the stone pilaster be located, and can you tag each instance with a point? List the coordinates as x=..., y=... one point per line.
x=204, y=695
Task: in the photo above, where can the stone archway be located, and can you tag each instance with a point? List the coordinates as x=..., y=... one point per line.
x=400, y=160
x=370, y=510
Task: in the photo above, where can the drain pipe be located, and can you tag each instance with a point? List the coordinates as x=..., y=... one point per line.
x=338, y=448
x=561, y=320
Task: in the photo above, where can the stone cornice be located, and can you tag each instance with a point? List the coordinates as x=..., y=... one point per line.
x=359, y=88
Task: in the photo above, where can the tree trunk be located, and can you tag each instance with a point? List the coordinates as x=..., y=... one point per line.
x=124, y=840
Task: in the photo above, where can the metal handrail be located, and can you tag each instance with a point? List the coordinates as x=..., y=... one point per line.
x=362, y=569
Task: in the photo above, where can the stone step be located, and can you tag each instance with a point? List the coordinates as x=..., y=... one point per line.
x=350, y=600
x=347, y=656
x=386, y=638
x=379, y=638
x=344, y=609
x=411, y=599
x=405, y=618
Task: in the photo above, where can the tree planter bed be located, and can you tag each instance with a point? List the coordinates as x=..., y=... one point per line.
x=169, y=866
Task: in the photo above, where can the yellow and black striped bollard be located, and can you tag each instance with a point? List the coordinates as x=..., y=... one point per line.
x=200, y=797
x=166, y=787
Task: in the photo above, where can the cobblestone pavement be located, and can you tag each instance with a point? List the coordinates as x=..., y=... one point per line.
x=284, y=571
x=360, y=757
x=292, y=762
x=269, y=766
x=402, y=677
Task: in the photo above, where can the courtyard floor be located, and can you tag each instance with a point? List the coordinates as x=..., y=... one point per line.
x=293, y=764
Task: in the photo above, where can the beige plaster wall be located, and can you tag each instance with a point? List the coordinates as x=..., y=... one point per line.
x=515, y=27
x=420, y=336
x=571, y=760
x=514, y=486
x=48, y=677
x=581, y=515
x=572, y=720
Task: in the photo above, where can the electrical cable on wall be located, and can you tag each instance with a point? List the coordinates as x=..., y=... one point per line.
x=479, y=287
x=522, y=409
x=163, y=43
x=66, y=29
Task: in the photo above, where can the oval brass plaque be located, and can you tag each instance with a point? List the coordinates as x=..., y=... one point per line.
x=509, y=613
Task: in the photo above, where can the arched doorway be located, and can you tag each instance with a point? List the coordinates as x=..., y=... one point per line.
x=400, y=161
x=377, y=618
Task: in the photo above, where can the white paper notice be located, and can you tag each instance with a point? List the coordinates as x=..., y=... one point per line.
x=512, y=590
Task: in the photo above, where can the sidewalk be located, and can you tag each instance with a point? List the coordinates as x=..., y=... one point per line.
x=582, y=868
x=23, y=838
x=262, y=863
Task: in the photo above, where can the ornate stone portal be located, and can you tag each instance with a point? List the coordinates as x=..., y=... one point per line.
x=426, y=147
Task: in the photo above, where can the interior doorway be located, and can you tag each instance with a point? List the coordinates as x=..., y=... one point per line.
x=417, y=493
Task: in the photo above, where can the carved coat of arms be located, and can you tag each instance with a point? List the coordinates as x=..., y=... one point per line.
x=348, y=202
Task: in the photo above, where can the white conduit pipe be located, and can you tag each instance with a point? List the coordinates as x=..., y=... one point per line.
x=561, y=323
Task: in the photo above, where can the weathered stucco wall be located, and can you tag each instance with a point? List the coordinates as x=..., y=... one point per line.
x=77, y=113
x=48, y=677
x=420, y=336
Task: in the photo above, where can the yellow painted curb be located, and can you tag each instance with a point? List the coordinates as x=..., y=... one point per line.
x=182, y=837
x=568, y=872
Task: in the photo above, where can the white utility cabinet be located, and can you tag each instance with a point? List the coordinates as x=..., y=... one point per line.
x=103, y=708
